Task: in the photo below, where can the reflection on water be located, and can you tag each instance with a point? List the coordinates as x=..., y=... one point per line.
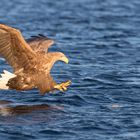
x=8, y=108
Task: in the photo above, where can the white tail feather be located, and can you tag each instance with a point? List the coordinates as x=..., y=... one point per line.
x=5, y=76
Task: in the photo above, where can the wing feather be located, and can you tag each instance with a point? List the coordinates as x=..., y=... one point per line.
x=40, y=43
x=14, y=48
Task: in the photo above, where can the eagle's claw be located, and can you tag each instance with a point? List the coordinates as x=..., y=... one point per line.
x=63, y=86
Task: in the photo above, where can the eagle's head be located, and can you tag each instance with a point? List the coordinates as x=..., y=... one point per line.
x=53, y=57
x=61, y=57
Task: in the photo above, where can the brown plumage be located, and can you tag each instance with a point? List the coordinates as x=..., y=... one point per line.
x=40, y=43
x=30, y=60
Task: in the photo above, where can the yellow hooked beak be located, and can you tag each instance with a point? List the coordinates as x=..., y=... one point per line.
x=65, y=59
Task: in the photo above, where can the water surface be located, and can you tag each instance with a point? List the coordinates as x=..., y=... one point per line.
x=102, y=40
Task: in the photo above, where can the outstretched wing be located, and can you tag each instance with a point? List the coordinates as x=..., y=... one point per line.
x=40, y=43
x=14, y=48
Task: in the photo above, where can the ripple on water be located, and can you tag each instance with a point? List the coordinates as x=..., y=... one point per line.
x=101, y=40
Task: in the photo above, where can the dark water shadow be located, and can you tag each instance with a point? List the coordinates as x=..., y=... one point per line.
x=9, y=108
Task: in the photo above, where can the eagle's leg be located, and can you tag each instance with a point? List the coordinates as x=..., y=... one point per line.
x=62, y=86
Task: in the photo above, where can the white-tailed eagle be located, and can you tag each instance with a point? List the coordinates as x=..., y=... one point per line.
x=30, y=60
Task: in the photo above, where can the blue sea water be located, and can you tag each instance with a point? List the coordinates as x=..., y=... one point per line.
x=102, y=40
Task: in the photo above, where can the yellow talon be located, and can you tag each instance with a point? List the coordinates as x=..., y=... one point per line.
x=63, y=86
